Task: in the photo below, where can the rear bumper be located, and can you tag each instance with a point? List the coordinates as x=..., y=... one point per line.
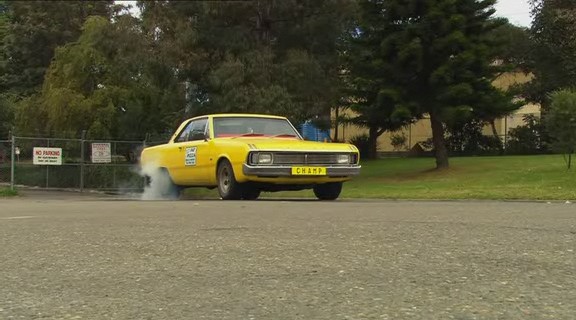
x=286, y=171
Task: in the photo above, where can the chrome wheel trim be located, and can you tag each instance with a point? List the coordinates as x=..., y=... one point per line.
x=225, y=180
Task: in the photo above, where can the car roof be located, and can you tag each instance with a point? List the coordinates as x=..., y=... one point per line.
x=230, y=115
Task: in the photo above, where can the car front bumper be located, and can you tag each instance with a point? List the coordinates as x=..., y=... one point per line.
x=286, y=171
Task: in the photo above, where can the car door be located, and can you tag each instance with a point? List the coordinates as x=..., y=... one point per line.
x=189, y=157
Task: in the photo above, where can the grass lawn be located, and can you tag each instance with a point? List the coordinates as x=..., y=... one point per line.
x=7, y=192
x=511, y=177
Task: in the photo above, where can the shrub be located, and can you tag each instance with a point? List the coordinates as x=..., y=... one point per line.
x=561, y=123
x=467, y=139
x=362, y=142
x=529, y=138
x=398, y=141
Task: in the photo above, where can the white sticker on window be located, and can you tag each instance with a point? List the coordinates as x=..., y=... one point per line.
x=190, y=156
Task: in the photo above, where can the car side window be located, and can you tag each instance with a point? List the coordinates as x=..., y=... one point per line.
x=198, y=131
x=194, y=130
x=184, y=133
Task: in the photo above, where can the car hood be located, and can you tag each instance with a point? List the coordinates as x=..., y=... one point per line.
x=282, y=144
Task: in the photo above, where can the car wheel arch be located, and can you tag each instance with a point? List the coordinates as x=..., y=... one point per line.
x=219, y=162
x=164, y=169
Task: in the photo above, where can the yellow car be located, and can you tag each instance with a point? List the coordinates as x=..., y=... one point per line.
x=245, y=154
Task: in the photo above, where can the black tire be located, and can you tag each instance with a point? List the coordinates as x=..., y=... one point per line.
x=158, y=185
x=169, y=189
x=250, y=193
x=147, y=181
x=228, y=187
x=328, y=191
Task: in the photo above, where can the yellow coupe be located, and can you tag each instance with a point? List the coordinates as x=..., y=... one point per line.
x=245, y=154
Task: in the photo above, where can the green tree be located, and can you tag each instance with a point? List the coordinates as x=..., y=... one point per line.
x=109, y=83
x=6, y=110
x=34, y=30
x=561, y=122
x=375, y=97
x=258, y=56
x=512, y=46
x=527, y=138
x=6, y=117
x=553, y=56
x=3, y=22
x=509, y=46
x=434, y=58
x=495, y=104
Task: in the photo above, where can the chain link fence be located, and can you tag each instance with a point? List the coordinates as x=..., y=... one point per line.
x=76, y=164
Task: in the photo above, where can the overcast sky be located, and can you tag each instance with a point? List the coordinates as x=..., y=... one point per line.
x=517, y=11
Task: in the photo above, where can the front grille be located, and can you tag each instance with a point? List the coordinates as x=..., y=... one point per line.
x=281, y=158
x=305, y=158
x=289, y=158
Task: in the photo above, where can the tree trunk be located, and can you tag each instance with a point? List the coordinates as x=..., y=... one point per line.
x=440, y=151
x=336, y=123
x=263, y=22
x=373, y=143
x=495, y=133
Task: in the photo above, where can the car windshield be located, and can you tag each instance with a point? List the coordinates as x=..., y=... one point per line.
x=251, y=127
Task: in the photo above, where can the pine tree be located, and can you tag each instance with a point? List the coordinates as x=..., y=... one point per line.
x=427, y=58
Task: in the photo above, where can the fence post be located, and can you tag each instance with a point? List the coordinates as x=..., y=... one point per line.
x=47, y=167
x=12, y=160
x=409, y=137
x=82, y=160
x=144, y=144
x=505, y=132
x=113, y=167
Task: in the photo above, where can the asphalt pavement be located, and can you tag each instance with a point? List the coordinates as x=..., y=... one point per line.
x=99, y=257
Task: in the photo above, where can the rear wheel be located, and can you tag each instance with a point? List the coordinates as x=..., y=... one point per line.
x=328, y=191
x=159, y=185
x=228, y=187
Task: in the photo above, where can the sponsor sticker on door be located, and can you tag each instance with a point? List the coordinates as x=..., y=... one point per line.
x=47, y=156
x=190, y=159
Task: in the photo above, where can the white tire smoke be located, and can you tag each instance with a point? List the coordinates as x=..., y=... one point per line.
x=159, y=186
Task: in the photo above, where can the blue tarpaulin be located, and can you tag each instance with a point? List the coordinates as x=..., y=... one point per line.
x=312, y=133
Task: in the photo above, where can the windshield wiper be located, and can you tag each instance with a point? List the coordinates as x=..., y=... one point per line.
x=284, y=136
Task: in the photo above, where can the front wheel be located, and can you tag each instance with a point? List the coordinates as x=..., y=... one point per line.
x=328, y=191
x=228, y=187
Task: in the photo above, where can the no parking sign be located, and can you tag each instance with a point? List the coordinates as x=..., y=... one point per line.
x=47, y=156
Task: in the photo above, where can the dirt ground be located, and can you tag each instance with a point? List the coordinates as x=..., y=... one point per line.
x=93, y=256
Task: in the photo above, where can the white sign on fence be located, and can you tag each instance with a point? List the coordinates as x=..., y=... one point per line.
x=47, y=156
x=101, y=153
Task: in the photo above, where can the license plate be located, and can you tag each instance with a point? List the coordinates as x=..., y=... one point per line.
x=308, y=171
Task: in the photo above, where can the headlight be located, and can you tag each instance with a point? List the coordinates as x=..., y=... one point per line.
x=264, y=158
x=343, y=158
